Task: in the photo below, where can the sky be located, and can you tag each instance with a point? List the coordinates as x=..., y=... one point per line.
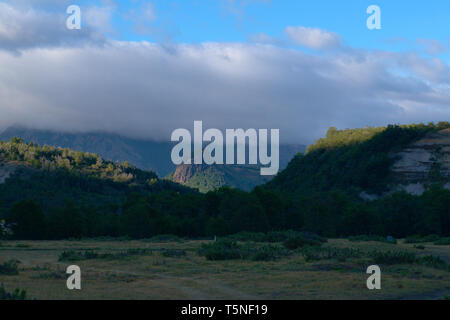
x=145, y=68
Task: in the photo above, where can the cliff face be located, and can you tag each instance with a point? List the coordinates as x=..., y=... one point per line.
x=425, y=160
x=245, y=177
x=185, y=172
x=210, y=177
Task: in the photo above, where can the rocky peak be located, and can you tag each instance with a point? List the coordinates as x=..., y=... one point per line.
x=425, y=159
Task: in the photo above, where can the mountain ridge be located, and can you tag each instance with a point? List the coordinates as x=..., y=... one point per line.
x=151, y=155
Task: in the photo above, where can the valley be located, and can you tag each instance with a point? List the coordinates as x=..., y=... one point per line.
x=162, y=274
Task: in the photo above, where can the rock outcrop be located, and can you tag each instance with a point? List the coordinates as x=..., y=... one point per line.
x=424, y=160
x=185, y=172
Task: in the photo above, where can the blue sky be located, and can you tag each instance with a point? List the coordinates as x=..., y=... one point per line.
x=144, y=68
x=196, y=21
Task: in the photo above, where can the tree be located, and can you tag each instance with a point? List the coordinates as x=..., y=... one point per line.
x=28, y=221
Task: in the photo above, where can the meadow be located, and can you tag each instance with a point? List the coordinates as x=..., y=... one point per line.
x=180, y=269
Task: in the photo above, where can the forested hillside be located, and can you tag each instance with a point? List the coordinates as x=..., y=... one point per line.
x=144, y=154
x=59, y=193
x=69, y=189
x=358, y=159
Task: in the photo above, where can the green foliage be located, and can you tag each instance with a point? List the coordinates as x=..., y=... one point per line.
x=276, y=236
x=365, y=237
x=207, y=180
x=5, y=230
x=17, y=294
x=223, y=249
x=27, y=221
x=73, y=255
x=213, y=177
x=226, y=249
x=300, y=241
x=393, y=257
x=165, y=238
x=351, y=158
x=9, y=268
x=173, y=253
x=443, y=241
x=433, y=261
x=78, y=195
x=264, y=253
x=316, y=253
x=419, y=239
x=79, y=163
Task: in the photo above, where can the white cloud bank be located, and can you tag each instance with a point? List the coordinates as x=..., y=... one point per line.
x=146, y=90
x=142, y=89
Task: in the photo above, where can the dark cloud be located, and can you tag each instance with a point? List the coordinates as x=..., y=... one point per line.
x=67, y=81
x=146, y=90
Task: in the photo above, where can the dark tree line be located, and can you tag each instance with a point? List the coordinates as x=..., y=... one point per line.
x=228, y=211
x=318, y=192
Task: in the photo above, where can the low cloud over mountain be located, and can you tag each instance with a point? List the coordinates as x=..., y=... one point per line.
x=84, y=82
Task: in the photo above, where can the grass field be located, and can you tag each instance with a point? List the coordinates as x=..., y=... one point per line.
x=174, y=270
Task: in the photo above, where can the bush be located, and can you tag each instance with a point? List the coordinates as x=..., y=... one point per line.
x=274, y=236
x=228, y=250
x=264, y=253
x=249, y=236
x=420, y=239
x=223, y=249
x=340, y=254
x=443, y=242
x=300, y=241
x=392, y=257
x=173, y=253
x=17, y=294
x=165, y=238
x=9, y=268
x=73, y=255
x=365, y=237
x=433, y=261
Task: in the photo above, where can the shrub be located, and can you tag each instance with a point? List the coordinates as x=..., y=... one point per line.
x=263, y=253
x=136, y=252
x=228, y=250
x=223, y=249
x=420, y=247
x=173, y=253
x=73, y=255
x=420, y=239
x=365, y=237
x=249, y=236
x=23, y=245
x=392, y=257
x=17, y=294
x=443, y=242
x=300, y=241
x=433, y=261
x=340, y=254
x=165, y=238
x=274, y=236
x=9, y=268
